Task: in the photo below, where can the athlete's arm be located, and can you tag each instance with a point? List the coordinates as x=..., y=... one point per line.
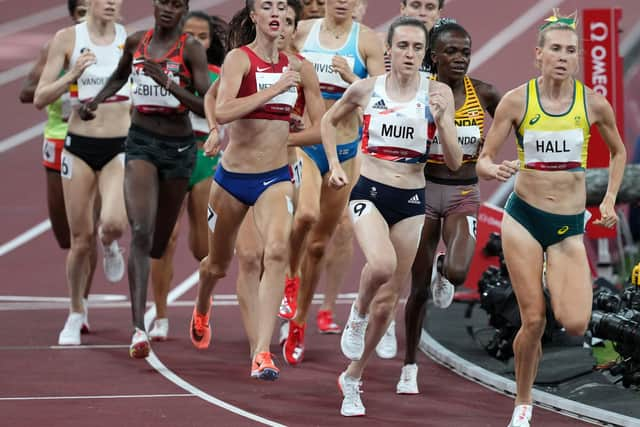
x=116, y=80
x=603, y=117
x=373, y=52
x=356, y=96
x=442, y=108
x=51, y=86
x=489, y=96
x=509, y=111
x=212, y=144
x=314, y=107
x=30, y=83
x=195, y=58
x=228, y=106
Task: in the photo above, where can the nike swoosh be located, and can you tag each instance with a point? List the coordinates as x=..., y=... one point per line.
x=262, y=69
x=181, y=149
x=465, y=192
x=265, y=183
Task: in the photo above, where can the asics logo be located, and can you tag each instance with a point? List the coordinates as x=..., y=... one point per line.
x=271, y=181
x=261, y=69
x=562, y=230
x=535, y=119
x=181, y=149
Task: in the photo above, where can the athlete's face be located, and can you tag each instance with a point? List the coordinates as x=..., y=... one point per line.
x=340, y=9
x=288, y=30
x=452, y=54
x=269, y=15
x=169, y=13
x=199, y=29
x=558, y=56
x=107, y=10
x=425, y=10
x=80, y=12
x=360, y=10
x=312, y=9
x=408, y=47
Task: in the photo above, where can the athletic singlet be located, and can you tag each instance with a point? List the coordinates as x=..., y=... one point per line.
x=469, y=121
x=261, y=76
x=554, y=142
x=95, y=76
x=398, y=131
x=58, y=113
x=331, y=84
x=296, y=123
x=148, y=96
x=199, y=124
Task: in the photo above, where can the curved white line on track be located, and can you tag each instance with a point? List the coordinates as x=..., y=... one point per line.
x=25, y=237
x=157, y=364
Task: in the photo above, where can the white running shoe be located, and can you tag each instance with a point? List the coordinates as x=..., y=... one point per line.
x=159, y=330
x=441, y=289
x=351, y=404
x=70, y=334
x=521, y=416
x=113, y=262
x=284, y=332
x=85, y=321
x=352, y=340
x=140, y=347
x=408, y=383
x=387, y=347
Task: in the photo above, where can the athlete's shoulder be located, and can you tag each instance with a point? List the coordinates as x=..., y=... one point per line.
x=134, y=39
x=487, y=93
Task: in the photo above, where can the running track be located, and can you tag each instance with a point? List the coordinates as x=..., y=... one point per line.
x=97, y=384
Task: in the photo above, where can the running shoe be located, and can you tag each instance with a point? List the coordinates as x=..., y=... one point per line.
x=352, y=340
x=521, y=416
x=113, y=262
x=200, y=329
x=408, y=383
x=293, y=349
x=387, y=347
x=289, y=303
x=263, y=368
x=159, y=330
x=140, y=347
x=325, y=323
x=85, y=320
x=441, y=289
x=70, y=333
x=351, y=403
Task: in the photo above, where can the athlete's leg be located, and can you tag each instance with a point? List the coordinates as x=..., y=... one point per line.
x=337, y=261
x=57, y=210
x=458, y=233
x=416, y=306
x=197, y=210
x=113, y=217
x=249, y=250
x=273, y=214
x=524, y=256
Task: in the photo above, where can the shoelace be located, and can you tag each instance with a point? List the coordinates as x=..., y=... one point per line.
x=352, y=391
x=357, y=326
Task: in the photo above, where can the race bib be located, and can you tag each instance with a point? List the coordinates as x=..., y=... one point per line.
x=329, y=77
x=553, y=150
x=285, y=100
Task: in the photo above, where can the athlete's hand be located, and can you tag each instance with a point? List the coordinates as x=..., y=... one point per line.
x=506, y=169
x=341, y=65
x=155, y=71
x=86, y=59
x=212, y=144
x=287, y=80
x=87, y=110
x=437, y=105
x=608, y=217
x=338, y=178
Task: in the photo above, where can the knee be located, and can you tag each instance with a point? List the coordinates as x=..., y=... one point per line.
x=534, y=324
x=305, y=219
x=456, y=274
x=112, y=229
x=82, y=242
x=141, y=236
x=212, y=270
x=381, y=271
x=249, y=260
x=317, y=248
x=276, y=253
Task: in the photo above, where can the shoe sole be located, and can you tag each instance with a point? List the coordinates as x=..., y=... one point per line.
x=407, y=393
x=330, y=332
x=140, y=350
x=202, y=344
x=268, y=374
x=158, y=339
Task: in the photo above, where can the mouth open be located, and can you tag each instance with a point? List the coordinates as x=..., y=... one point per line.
x=274, y=25
x=166, y=18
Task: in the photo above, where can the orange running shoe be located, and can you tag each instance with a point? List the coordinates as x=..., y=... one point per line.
x=289, y=303
x=199, y=328
x=293, y=349
x=325, y=323
x=263, y=367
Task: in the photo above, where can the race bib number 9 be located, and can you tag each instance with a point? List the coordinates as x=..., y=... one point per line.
x=359, y=209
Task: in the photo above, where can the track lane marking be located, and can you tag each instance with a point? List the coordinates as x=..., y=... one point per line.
x=104, y=396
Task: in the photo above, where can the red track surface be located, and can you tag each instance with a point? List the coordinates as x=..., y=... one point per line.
x=102, y=386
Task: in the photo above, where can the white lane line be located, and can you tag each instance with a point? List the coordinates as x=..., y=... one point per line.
x=28, y=235
x=64, y=347
x=93, y=298
x=33, y=20
x=157, y=364
x=21, y=137
x=116, y=396
x=21, y=70
x=517, y=27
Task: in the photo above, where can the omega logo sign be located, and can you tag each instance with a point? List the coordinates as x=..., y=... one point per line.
x=599, y=78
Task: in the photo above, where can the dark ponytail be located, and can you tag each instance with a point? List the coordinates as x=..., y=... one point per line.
x=242, y=29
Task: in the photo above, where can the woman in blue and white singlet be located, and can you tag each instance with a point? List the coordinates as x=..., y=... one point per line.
x=402, y=112
x=92, y=161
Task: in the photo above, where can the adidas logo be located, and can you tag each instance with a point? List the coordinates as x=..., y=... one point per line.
x=415, y=200
x=380, y=105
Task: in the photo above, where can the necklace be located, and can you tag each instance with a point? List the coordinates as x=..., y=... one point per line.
x=262, y=56
x=333, y=32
